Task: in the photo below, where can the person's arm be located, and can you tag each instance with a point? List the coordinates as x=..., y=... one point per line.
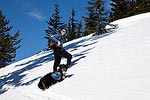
x=56, y=39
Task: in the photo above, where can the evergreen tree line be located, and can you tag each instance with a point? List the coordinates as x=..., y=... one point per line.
x=73, y=27
x=95, y=21
x=97, y=17
x=125, y=8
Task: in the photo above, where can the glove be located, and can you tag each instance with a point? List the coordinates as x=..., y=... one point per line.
x=58, y=44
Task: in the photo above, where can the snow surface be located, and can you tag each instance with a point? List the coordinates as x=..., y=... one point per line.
x=115, y=66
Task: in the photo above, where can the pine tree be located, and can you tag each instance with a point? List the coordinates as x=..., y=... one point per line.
x=8, y=44
x=54, y=23
x=97, y=17
x=141, y=6
x=72, y=27
x=68, y=31
x=125, y=8
x=102, y=16
x=79, y=30
x=120, y=9
x=90, y=21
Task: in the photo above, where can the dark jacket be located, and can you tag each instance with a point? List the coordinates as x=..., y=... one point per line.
x=58, y=37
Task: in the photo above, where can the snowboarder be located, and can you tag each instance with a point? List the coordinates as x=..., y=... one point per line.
x=59, y=50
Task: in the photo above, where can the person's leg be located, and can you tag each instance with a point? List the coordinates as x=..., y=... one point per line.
x=67, y=55
x=57, y=60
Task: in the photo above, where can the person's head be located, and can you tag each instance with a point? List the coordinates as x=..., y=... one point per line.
x=63, y=31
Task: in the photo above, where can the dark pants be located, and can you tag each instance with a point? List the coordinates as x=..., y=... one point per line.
x=58, y=54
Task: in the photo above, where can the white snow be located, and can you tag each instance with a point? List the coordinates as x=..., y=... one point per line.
x=112, y=67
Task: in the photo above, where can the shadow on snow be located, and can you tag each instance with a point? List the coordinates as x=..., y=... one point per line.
x=15, y=78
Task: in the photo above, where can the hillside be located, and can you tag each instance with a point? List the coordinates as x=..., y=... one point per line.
x=110, y=67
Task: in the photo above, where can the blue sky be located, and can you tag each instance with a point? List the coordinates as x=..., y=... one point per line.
x=30, y=16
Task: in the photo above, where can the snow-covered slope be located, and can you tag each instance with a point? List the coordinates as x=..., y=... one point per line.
x=112, y=67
